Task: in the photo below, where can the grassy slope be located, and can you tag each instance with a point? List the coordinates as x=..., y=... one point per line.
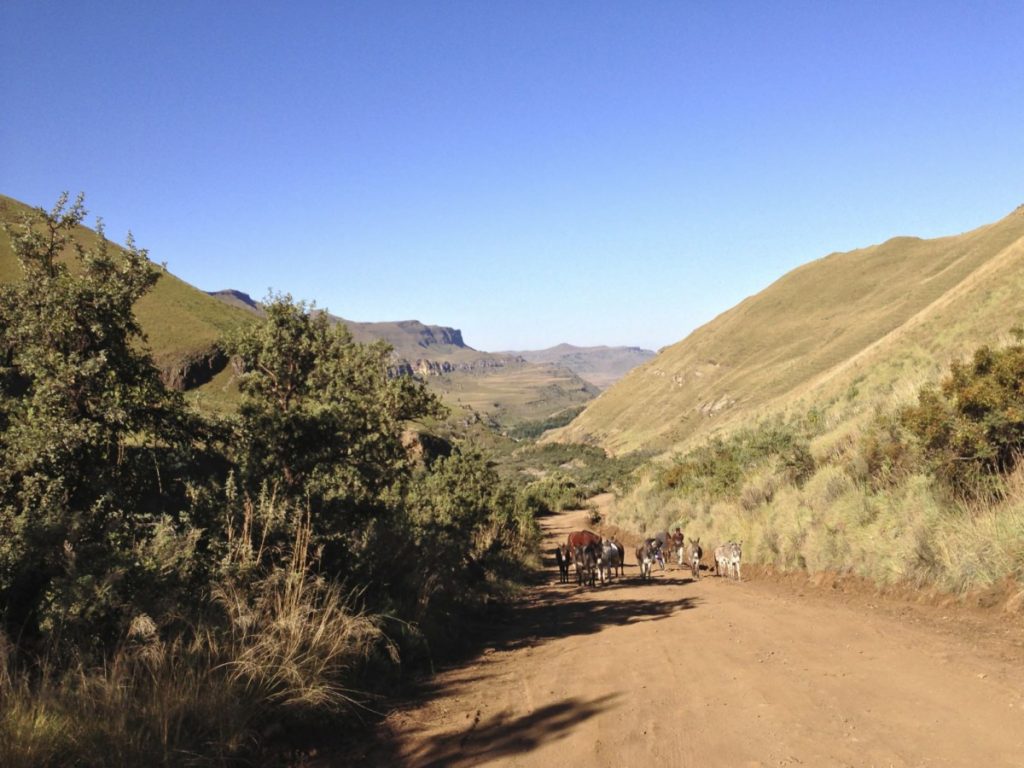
x=515, y=393
x=849, y=336
x=847, y=328
x=178, y=319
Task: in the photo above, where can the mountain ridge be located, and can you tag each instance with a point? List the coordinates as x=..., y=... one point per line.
x=432, y=350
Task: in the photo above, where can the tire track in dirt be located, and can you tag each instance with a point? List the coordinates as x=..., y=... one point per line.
x=714, y=673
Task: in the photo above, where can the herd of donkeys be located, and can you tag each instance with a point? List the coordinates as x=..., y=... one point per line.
x=599, y=557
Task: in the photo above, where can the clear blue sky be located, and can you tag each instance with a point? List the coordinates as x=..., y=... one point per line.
x=529, y=172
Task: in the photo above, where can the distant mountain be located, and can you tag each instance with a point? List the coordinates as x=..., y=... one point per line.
x=602, y=366
x=413, y=340
x=841, y=336
x=184, y=326
x=240, y=300
x=416, y=345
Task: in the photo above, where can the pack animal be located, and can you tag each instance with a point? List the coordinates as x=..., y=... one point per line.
x=678, y=546
x=610, y=559
x=622, y=556
x=645, y=556
x=582, y=539
x=727, y=558
x=586, y=564
x=696, y=553
x=662, y=541
x=563, y=558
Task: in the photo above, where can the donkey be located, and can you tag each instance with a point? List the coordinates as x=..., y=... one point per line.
x=586, y=564
x=695, y=555
x=727, y=557
x=622, y=556
x=662, y=541
x=563, y=559
x=610, y=559
x=645, y=556
x=678, y=542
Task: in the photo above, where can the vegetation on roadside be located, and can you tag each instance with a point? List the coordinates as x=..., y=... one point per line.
x=184, y=588
x=929, y=492
x=564, y=476
x=534, y=429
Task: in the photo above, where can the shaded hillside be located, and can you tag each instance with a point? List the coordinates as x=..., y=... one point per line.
x=846, y=328
x=601, y=366
x=181, y=322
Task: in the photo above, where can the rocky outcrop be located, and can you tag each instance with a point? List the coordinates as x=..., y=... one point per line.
x=430, y=335
x=194, y=370
x=423, y=367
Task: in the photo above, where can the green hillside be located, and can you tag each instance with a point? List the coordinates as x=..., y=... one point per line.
x=181, y=322
x=844, y=330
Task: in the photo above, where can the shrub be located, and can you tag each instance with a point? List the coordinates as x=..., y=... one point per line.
x=718, y=468
x=885, y=453
x=971, y=427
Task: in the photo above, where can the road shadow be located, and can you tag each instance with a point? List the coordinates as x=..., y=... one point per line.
x=548, y=615
x=545, y=612
x=501, y=735
x=545, y=616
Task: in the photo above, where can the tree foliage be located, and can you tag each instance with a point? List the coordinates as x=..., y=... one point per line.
x=88, y=432
x=321, y=421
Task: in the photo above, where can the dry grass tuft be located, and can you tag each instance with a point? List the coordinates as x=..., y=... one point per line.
x=285, y=649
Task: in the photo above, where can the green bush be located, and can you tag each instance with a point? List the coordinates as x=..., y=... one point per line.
x=718, y=468
x=971, y=427
x=885, y=454
x=534, y=429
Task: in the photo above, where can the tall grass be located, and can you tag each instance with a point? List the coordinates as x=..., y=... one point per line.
x=907, y=532
x=280, y=652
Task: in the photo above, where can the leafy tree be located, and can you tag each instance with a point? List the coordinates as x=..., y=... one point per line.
x=86, y=426
x=321, y=420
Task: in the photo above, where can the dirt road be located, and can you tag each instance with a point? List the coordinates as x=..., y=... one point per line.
x=718, y=673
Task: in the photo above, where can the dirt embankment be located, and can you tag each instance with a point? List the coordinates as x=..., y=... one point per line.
x=718, y=673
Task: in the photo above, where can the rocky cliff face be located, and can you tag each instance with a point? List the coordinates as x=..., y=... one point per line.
x=425, y=367
x=194, y=370
x=430, y=335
